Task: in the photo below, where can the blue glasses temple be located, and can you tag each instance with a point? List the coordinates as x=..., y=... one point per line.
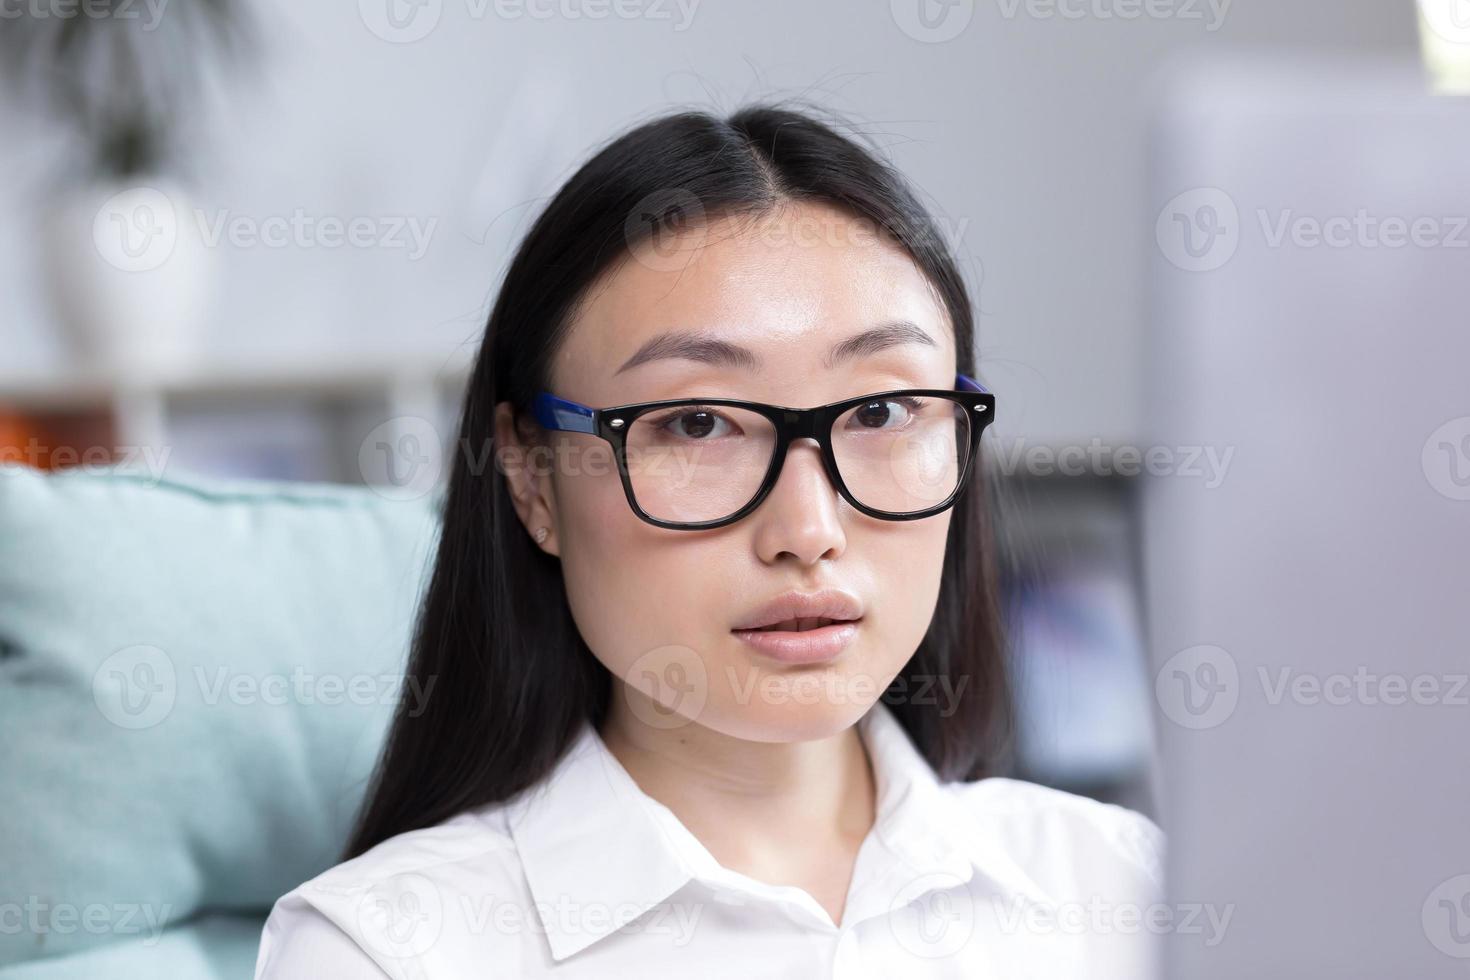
x=563, y=415
x=964, y=381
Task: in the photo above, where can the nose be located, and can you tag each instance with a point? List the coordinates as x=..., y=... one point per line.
x=800, y=518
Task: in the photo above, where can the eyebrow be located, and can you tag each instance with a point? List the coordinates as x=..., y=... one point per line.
x=692, y=345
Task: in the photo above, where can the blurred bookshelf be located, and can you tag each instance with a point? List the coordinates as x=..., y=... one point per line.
x=291, y=419
x=1071, y=583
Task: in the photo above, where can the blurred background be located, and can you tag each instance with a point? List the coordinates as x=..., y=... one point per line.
x=257, y=238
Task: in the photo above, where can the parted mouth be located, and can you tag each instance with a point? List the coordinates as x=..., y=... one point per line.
x=800, y=625
x=801, y=612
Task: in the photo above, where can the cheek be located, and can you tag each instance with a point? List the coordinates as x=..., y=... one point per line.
x=906, y=562
x=597, y=540
x=632, y=588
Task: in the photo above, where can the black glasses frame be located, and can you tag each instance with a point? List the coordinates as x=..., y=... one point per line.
x=612, y=424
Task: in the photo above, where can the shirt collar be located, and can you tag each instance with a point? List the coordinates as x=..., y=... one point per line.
x=564, y=825
x=926, y=824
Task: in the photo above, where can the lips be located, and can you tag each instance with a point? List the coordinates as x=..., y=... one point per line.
x=816, y=645
x=801, y=612
x=800, y=625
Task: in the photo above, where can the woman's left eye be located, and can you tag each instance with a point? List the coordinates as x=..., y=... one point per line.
x=696, y=423
x=890, y=413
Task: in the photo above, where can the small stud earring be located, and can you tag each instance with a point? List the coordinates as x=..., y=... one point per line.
x=541, y=533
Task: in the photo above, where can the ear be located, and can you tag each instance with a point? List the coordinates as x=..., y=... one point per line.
x=525, y=462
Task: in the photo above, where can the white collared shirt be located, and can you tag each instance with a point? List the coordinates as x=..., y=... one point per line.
x=586, y=875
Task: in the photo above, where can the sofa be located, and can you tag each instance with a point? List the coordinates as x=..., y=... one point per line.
x=196, y=676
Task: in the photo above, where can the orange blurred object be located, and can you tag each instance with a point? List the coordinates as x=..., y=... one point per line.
x=17, y=433
x=54, y=442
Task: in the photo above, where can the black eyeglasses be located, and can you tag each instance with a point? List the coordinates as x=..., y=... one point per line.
x=698, y=463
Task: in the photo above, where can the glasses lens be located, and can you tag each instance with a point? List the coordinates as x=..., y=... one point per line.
x=695, y=463
x=902, y=454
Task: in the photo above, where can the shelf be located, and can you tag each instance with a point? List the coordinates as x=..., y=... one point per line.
x=346, y=375
x=257, y=408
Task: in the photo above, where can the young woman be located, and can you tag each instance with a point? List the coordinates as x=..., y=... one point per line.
x=718, y=674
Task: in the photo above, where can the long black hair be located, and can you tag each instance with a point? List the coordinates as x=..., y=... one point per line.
x=514, y=681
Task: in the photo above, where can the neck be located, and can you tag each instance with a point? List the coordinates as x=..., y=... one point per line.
x=748, y=802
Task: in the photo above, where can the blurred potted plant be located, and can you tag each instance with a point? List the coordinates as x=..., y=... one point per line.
x=123, y=255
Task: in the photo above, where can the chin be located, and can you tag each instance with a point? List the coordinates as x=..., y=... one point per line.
x=790, y=707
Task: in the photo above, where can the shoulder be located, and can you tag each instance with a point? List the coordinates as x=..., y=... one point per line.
x=376, y=914
x=1067, y=842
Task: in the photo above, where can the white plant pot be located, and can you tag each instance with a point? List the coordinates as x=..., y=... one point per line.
x=129, y=276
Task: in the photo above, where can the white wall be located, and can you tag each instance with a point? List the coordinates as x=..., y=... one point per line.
x=1026, y=130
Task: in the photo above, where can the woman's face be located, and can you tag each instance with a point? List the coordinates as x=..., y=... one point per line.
x=659, y=606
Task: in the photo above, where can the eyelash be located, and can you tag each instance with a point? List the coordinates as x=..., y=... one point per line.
x=907, y=401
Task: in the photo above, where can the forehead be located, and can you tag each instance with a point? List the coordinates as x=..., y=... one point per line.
x=788, y=287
